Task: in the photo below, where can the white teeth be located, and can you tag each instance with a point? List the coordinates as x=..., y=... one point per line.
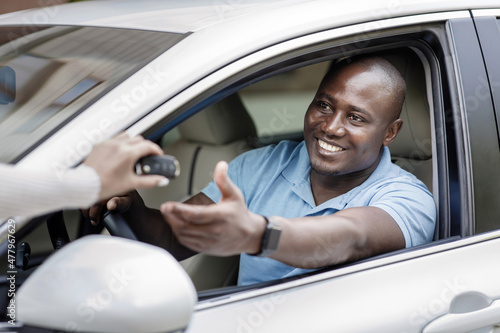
x=328, y=147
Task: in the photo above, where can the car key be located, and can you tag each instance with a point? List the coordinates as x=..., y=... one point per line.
x=165, y=165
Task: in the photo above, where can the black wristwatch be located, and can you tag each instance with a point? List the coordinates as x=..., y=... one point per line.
x=270, y=239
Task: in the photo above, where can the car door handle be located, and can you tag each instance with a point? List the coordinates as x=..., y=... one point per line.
x=466, y=322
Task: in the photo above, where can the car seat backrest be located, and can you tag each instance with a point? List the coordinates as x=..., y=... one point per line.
x=221, y=123
x=412, y=148
x=222, y=131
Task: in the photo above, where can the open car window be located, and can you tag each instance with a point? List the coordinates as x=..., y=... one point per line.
x=273, y=109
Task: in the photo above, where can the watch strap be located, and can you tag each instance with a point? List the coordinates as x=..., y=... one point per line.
x=270, y=238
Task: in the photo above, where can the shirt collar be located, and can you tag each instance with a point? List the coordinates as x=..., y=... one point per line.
x=297, y=172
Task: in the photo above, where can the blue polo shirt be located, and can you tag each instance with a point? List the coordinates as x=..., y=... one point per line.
x=275, y=182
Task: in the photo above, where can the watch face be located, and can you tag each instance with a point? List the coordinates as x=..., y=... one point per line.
x=270, y=239
x=274, y=239
x=273, y=236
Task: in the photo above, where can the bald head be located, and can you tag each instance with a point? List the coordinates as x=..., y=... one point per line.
x=391, y=83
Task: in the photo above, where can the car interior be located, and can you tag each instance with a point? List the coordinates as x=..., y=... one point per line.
x=228, y=128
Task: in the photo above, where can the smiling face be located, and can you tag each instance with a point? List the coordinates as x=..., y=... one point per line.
x=353, y=115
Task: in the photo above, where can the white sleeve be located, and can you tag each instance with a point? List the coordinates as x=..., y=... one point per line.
x=28, y=192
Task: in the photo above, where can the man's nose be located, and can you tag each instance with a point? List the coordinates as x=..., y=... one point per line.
x=334, y=125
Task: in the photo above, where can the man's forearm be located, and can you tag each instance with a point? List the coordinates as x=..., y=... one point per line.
x=310, y=243
x=350, y=235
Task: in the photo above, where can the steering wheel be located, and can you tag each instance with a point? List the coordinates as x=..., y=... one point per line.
x=113, y=221
x=117, y=226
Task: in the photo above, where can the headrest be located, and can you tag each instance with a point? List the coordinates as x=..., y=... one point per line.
x=220, y=123
x=414, y=139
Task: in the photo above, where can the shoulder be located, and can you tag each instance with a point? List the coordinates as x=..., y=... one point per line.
x=406, y=199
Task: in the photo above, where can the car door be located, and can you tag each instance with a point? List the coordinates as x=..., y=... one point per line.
x=450, y=285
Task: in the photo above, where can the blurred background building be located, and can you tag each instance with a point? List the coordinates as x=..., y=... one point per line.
x=7, y=6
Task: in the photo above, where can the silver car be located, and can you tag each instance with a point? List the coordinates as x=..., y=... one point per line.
x=208, y=80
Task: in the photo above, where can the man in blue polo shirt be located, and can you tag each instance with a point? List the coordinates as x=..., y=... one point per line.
x=333, y=198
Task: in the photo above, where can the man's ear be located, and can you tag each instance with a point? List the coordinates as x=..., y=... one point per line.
x=392, y=131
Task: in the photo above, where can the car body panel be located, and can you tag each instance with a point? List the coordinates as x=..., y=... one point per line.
x=362, y=300
x=179, y=16
x=479, y=126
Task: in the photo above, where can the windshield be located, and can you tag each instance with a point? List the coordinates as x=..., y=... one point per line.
x=48, y=75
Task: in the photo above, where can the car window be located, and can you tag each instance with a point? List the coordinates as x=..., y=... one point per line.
x=50, y=74
x=277, y=105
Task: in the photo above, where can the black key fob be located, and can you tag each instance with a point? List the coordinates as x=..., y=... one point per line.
x=164, y=165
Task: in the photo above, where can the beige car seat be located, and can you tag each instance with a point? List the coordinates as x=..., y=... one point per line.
x=412, y=148
x=222, y=131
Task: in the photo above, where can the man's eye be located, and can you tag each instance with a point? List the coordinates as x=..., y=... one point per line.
x=355, y=118
x=324, y=106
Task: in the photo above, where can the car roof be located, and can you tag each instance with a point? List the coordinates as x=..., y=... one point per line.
x=194, y=15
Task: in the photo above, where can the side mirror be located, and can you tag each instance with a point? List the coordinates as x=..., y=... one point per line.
x=108, y=284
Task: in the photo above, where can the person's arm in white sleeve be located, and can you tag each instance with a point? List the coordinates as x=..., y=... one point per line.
x=28, y=192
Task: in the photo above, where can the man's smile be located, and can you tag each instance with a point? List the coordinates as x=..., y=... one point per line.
x=329, y=147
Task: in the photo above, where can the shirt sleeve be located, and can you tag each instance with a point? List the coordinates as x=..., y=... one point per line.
x=28, y=192
x=412, y=207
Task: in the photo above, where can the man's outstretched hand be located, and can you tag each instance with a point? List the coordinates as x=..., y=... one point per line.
x=223, y=229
